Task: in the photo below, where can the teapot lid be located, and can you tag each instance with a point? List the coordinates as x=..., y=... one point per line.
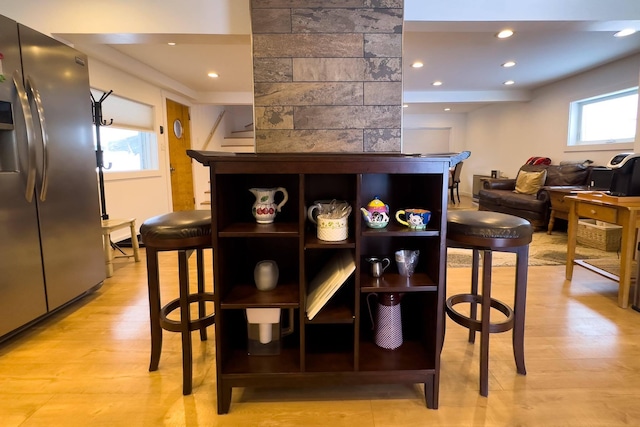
x=376, y=204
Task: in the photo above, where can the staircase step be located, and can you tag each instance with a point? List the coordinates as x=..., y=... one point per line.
x=241, y=134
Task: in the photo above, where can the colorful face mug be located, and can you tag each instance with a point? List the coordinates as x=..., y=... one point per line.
x=416, y=219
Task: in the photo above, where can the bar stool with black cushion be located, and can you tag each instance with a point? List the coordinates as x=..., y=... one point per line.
x=184, y=232
x=485, y=232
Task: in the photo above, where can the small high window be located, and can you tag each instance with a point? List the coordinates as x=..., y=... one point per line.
x=130, y=143
x=128, y=150
x=604, y=119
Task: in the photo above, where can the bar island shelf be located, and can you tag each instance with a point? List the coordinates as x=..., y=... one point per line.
x=337, y=345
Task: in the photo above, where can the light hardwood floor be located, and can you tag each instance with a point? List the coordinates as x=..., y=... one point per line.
x=87, y=366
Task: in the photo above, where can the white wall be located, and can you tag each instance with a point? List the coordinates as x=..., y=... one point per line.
x=145, y=196
x=238, y=116
x=127, y=195
x=142, y=197
x=499, y=138
x=504, y=136
x=131, y=17
x=203, y=117
x=521, y=10
x=457, y=123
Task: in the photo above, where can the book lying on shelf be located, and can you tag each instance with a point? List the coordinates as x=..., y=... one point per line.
x=325, y=284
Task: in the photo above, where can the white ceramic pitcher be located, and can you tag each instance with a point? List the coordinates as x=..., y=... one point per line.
x=264, y=208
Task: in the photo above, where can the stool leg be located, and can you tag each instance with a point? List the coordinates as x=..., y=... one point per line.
x=108, y=253
x=154, y=308
x=475, y=265
x=484, y=332
x=522, y=264
x=185, y=320
x=202, y=311
x=134, y=241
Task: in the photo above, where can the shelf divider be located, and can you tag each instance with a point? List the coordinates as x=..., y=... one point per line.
x=253, y=229
x=393, y=229
x=333, y=313
x=285, y=295
x=394, y=282
x=312, y=242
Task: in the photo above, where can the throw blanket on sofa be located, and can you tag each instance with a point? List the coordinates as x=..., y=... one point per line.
x=538, y=161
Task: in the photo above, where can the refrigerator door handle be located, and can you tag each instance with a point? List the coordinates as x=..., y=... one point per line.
x=31, y=149
x=45, y=139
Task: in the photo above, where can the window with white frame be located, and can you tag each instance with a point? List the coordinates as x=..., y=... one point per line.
x=605, y=119
x=130, y=143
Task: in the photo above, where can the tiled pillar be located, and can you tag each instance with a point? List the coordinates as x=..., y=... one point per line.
x=328, y=75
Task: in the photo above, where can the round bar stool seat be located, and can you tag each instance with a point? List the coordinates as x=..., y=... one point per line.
x=485, y=232
x=178, y=229
x=184, y=232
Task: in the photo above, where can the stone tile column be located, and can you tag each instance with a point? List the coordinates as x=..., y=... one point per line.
x=327, y=75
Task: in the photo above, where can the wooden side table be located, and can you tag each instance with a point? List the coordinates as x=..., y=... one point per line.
x=109, y=226
x=623, y=211
x=559, y=207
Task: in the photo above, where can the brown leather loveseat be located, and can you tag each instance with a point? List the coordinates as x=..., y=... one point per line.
x=498, y=195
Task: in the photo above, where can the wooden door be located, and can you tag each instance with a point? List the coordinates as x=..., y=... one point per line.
x=180, y=164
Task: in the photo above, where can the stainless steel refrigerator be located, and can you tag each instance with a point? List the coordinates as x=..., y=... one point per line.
x=50, y=234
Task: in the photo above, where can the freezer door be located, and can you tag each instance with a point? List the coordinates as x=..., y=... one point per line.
x=22, y=293
x=57, y=78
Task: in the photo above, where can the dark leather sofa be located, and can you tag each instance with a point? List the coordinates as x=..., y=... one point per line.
x=498, y=195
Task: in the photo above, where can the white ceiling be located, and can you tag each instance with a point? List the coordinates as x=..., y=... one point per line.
x=465, y=56
x=190, y=64
x=468, y=58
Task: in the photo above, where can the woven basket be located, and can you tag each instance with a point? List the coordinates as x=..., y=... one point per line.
x=603, y=236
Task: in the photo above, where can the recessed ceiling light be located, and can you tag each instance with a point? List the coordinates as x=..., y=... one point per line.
x=447, y=109
x=624, y=33
x=509, y=64
x=213, y=75
x=504, y=34
x=417, y=64
x=437, y=83
x=509, y=82
x=171, y=43
x=405, y=106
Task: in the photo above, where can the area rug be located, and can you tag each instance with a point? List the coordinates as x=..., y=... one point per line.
x=544, y=250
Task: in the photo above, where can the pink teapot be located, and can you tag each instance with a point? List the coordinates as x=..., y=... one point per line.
x=376, y=214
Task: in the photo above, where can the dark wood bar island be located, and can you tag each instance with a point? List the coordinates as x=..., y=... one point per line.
x=337, y=345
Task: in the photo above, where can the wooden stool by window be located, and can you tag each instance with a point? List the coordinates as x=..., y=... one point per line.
x=110, y=225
